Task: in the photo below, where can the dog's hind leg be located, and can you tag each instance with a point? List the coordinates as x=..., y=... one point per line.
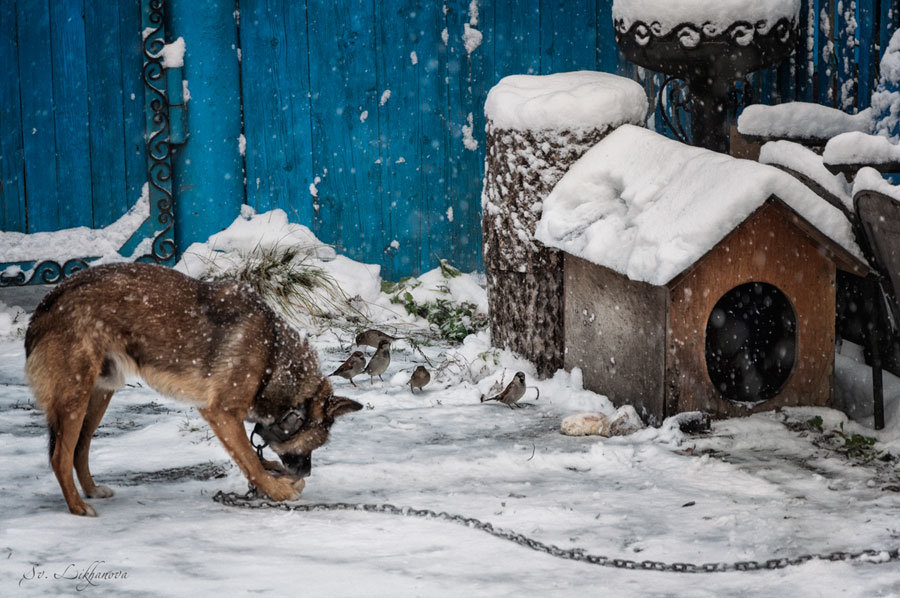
x=65, y=424
x=96, y=408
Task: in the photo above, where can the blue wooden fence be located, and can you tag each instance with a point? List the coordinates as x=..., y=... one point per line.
x=360, y=117
x=72, y=120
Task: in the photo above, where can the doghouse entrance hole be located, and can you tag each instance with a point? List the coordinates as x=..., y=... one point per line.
x=751, y=338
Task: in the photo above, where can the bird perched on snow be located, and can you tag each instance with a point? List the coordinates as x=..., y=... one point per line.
x=420, y=377
x=380, y=361
x=373, y=338
x=514, y=391
x=354, y=366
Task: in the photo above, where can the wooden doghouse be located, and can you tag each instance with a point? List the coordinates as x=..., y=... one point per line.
x=696, y=281
x=537, y=126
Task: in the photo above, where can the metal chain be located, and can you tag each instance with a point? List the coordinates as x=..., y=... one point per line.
x=252, y=500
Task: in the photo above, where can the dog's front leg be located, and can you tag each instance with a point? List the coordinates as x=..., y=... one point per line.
x=229, y=427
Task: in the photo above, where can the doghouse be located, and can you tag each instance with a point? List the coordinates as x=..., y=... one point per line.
x=694, y=280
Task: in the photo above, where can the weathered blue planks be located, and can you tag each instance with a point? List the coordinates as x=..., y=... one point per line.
x=132, y=60
x=343, y=85
x=278, y=155
x=109, y=198
x=71, y=116
x=12, y=164
x=72, y=132
x=38, y=128
x=568, y=30
x=208, y=174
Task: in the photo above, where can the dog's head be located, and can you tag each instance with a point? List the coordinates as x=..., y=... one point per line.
x=305, y=428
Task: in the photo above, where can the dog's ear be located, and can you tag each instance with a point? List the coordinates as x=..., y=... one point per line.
x=340, y=405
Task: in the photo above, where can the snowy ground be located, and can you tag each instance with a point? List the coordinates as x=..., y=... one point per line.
x=754, y=488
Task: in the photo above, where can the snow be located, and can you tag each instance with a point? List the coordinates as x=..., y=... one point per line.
x=801, y=120
x=869, y=179
x=360, y=283
x=469, y=141
x=575, y=101
x=751, y=489
x=886, y=98
x=860, y=148
x=714, y=15
x=758, y=487
x=803, y=160
x=242, y=144
x=77, y=242
x=471, y=38
x=173, y=54
x=385, y=96
x=648, y=207
x=413, y=58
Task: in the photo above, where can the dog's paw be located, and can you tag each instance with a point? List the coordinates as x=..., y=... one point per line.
x=84, y=510
x=100, y=491
x=286, y=488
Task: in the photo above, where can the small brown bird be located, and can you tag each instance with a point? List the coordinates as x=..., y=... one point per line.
x=420, y=377
x=514, y=391
x=354, y=366
x=373, y=338
x=380, y=361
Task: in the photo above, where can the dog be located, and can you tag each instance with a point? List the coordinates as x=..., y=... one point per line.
x=216, y=345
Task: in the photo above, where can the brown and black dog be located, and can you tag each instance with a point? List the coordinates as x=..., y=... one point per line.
x=216, y=345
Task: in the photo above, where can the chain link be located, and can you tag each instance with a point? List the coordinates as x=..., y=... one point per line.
x=252, y=500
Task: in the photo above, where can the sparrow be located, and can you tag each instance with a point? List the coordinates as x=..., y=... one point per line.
x=354, y=366
x=380, y=361
x=514, y=391
x=373, y=338
x=420, y=377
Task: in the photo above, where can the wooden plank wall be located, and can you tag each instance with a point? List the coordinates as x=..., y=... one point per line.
x=356, y=112
x=379, y=174
x=367, y=102
x=71, y=126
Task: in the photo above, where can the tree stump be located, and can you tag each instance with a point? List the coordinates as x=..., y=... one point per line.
x=522, y=165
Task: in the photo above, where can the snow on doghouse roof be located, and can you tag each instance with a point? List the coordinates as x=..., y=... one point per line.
x=574, y=101
x=648, y=207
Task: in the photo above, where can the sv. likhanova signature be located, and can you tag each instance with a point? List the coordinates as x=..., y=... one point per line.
x=84, y=577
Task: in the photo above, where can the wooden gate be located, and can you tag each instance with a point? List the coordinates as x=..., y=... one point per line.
x=84, y=126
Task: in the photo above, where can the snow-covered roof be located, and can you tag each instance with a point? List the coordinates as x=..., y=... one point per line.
x=648, y=207
x=714, y=15
x=576, y=101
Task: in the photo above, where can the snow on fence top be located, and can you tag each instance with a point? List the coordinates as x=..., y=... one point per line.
x=78, y=242
x=860, y=148
x=648, y=207
x=576, y=101
x=801, y=120
x=714, y=15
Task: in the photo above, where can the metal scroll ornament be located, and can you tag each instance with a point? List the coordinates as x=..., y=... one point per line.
x=710, y=59
x=161, y=221
x=159, y=163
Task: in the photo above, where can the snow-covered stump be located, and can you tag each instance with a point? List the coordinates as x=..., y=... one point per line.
x=538, y=126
